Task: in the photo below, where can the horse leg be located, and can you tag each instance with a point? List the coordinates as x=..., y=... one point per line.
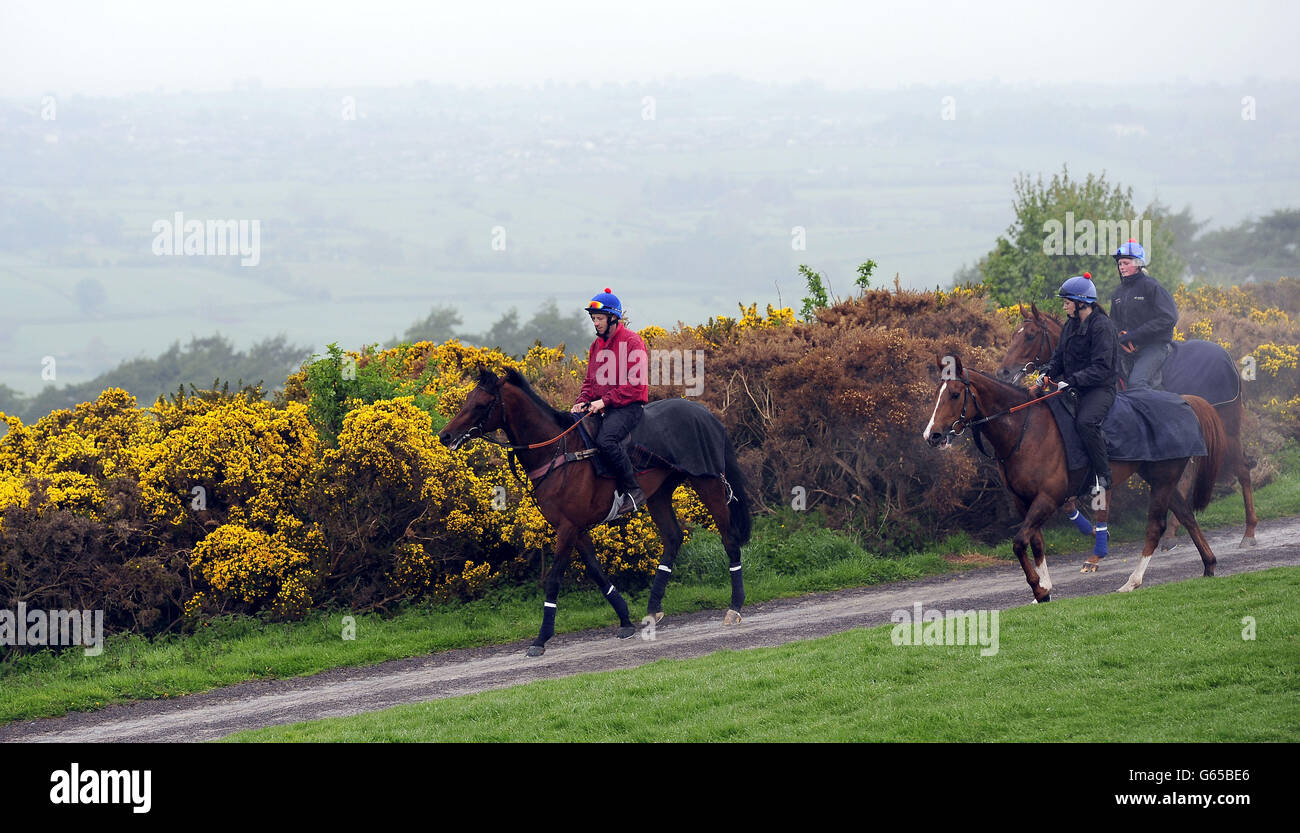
x=1079, y=520
x=1184, y=512
x=1040, y=563
x=1247, y=496
x=1235, y=460
x=564, y=537
x=1121, y=471
x=1101, y=541
x=670, y=532
x=1164, y=482
x=1039, y=511
x=588, y=549
x=1168, y=540
x=714, y=496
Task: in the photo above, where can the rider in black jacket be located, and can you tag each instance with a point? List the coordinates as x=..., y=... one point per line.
x=1087, y=359
x=1144, y=313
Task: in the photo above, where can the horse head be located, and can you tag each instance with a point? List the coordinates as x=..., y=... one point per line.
x=1031, y=345
x=482, y=413
x=952, y=407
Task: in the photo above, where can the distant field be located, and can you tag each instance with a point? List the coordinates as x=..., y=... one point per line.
x=353, y=262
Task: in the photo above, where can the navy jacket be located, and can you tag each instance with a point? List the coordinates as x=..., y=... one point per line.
x=1144, y=308
x=1088, y=355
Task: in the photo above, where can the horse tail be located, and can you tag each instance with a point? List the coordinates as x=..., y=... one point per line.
x=1216, y=445
x=741, y=521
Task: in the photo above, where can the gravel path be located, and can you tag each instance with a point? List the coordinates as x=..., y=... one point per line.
x=351, y=691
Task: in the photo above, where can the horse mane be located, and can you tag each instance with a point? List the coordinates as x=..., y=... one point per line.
x=1012, y=389
x=517, y=379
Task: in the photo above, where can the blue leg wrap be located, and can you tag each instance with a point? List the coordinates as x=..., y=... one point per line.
x=1083, y=524
x=1102, y=547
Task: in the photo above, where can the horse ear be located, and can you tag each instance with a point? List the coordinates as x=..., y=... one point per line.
x=488, y=379
x=1034, y=307
x=1023, y=313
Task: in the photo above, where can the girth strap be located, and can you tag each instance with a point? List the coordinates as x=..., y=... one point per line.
x=559, y=460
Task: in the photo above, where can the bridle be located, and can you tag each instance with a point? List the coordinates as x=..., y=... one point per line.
x=961, y=423
x=477, y=432
x=1030, y=366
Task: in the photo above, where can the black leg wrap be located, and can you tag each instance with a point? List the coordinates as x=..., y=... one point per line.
x=617, y=602
x=657, y=591
x=548, y=624
x=737, y=587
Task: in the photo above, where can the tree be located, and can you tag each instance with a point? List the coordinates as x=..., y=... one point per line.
x=817, y=297
x=1266, y=248
x=438, y=326
x=1067, y=227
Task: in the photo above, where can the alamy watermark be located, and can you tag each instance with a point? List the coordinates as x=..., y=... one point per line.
x=946, y=627
x=683, y=368
x=53, y=628
x=1094, y=237
x=179, y=236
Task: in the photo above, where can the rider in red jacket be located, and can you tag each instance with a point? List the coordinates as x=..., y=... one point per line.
x=617, y=386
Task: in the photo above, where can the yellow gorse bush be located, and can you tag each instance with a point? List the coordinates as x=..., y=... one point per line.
x=259, y=569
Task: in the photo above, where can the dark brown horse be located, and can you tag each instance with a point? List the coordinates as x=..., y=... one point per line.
x=1031, y=347
x=1031, y=457
x=573, y=498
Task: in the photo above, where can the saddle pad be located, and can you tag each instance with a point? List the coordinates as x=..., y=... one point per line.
x=679, y=433
x=1146, y=425
x=1201, y=368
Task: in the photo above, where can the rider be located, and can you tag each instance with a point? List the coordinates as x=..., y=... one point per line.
x=617, y=386
x=1144, y=313
x=1087, y=359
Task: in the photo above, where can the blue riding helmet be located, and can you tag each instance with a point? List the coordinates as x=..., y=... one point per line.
x=1079, y=288
x=1132, y=249
x=605, y=302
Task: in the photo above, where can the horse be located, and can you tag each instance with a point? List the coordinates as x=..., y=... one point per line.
x=1031, y=458
x=576, y=499
x=1032, y=346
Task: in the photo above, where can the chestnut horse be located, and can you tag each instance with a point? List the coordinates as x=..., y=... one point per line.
x=1031, y=348
x=1031, y=457
x=573, y=498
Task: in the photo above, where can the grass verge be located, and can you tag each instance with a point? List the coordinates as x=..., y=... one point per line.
x=1168, y=664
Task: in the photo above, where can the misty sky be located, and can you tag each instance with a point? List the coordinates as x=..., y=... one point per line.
x=100, y=48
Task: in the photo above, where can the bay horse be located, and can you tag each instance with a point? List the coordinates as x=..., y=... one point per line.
x=1031, y=348
x=573, y=498
x=1031, y=458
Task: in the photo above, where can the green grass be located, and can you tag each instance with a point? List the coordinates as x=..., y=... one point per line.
x=798, y=558
x=802, y=557
x=1167, y=664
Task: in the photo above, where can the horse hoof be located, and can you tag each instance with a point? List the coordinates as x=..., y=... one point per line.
x=732, y=618
x=626, y=632
x=536, y=650
x=1088, y=567
x=1247, y=542
x=1169, y=546
x=659, y=617
x=1128, y=588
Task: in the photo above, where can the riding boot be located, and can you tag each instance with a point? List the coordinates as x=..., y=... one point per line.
x=628, y=490
x=1095, y=444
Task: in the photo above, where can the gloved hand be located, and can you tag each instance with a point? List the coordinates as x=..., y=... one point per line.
x=1062, y=385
